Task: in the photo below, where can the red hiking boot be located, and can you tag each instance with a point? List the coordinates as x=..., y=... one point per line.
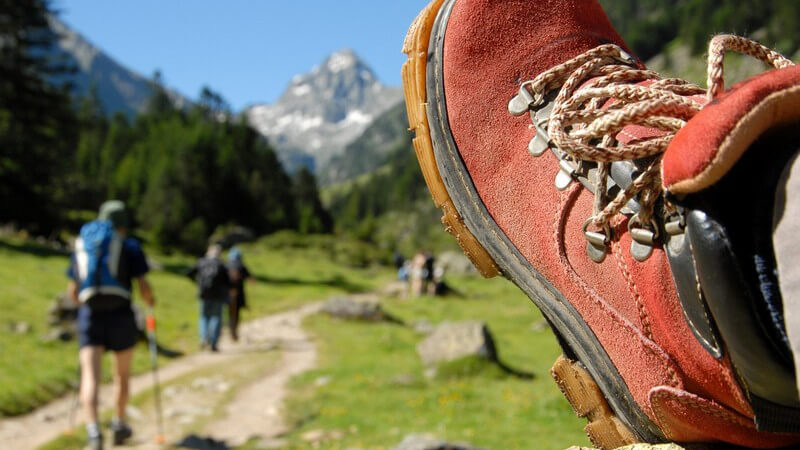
x=567, y=202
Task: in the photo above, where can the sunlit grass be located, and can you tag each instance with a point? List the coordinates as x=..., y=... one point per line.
x=33, y=372
x=378, y=391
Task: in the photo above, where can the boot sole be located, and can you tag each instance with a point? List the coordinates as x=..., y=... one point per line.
x=586, y=387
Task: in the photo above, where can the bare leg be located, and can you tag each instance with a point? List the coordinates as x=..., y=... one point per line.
x=90, y=357
x=122, y=374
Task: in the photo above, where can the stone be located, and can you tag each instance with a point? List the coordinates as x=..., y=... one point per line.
x=201, y=443
x=62, y=313
x=134, y=413
x=322, y=381
x=455, y=263
x=20, y=327
x=395, y=289
x=403, y=379
x=59, y=333
x=670, y=446
x=63, y=308
x=423, y=326
x=313, y=435
x=335, y=435
x=172, y=390
x=455, y=340
x=540, y=325
x=346, y=308
x=429, y=442
x=271, y=443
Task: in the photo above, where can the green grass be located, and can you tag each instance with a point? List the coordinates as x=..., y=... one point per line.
x=378, y=385
x=377, y=391
x=33, y=372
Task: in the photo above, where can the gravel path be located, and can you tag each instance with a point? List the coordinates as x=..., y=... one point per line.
x=253, y=412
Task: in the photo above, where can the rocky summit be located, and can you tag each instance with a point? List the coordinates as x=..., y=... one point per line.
x=323, y=110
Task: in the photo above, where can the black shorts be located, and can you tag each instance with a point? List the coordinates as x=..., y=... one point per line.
x=114, y=329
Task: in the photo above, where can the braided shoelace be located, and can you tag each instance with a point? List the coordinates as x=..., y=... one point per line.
x=603, y=90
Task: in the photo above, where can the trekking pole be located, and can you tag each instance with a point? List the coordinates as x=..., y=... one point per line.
x=151, y=336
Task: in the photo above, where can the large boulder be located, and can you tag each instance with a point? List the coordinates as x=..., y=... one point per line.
x=455, y=340
x=61, y=318
x=455, y=263
x=62, y=309
x=350, y=309
x=427, y=442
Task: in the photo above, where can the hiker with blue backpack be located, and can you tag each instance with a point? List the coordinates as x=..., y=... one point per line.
x=214, y=291
x=103, y=267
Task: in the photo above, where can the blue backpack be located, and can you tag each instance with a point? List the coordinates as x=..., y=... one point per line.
x=99, y=266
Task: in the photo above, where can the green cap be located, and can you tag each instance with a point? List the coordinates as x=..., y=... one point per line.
x=114, y=210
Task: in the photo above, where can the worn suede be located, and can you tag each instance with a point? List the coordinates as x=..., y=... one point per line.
x=686, y=417
x=695, y=159
x=490, y=47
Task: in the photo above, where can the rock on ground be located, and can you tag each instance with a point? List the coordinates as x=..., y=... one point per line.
x=454, y=340
x=347, y=308
x=455, y=263
x=638, y=447
x=427, y=442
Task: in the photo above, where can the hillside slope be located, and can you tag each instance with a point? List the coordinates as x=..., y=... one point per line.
x=370, y=150
x=119, y=89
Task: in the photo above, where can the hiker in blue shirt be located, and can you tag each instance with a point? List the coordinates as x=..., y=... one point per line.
x=213, y=290
x=103, y=267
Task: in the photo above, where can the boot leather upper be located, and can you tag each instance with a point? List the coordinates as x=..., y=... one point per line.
x=490, y=47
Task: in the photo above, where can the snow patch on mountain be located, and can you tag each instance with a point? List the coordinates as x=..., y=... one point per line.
x=323, y=110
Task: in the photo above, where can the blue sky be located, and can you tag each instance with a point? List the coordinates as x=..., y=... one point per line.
x=247, y=50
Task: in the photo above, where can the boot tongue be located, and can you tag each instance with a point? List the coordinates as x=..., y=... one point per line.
x=715, y=139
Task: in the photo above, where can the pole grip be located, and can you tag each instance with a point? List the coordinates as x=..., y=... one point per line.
x=150, y=322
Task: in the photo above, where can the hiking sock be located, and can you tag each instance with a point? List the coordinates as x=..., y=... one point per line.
x=117, y=423
x=93, y=429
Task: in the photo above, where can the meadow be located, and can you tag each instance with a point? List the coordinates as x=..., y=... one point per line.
x=377, y=390
x=369, y=388
x=33, y=371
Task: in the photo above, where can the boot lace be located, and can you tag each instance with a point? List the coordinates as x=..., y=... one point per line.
x=604, y=90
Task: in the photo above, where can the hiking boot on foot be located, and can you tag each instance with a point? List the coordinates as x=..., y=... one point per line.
x=121, y=432
x=543, y=140
x=95, y=442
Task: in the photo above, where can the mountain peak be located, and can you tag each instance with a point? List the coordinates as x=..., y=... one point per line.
x=342, y=60
x=323, y=110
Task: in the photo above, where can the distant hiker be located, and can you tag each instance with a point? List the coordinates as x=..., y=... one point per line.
x=418, y=274
x=428, y=273
x=213, y=291
x=238, y=274
x=398, y=259
x=104, y=263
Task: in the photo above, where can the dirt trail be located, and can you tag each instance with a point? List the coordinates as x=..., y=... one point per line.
x=254, y=411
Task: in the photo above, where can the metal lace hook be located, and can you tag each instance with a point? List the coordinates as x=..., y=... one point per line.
x=643, y=237
x=596, y=242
